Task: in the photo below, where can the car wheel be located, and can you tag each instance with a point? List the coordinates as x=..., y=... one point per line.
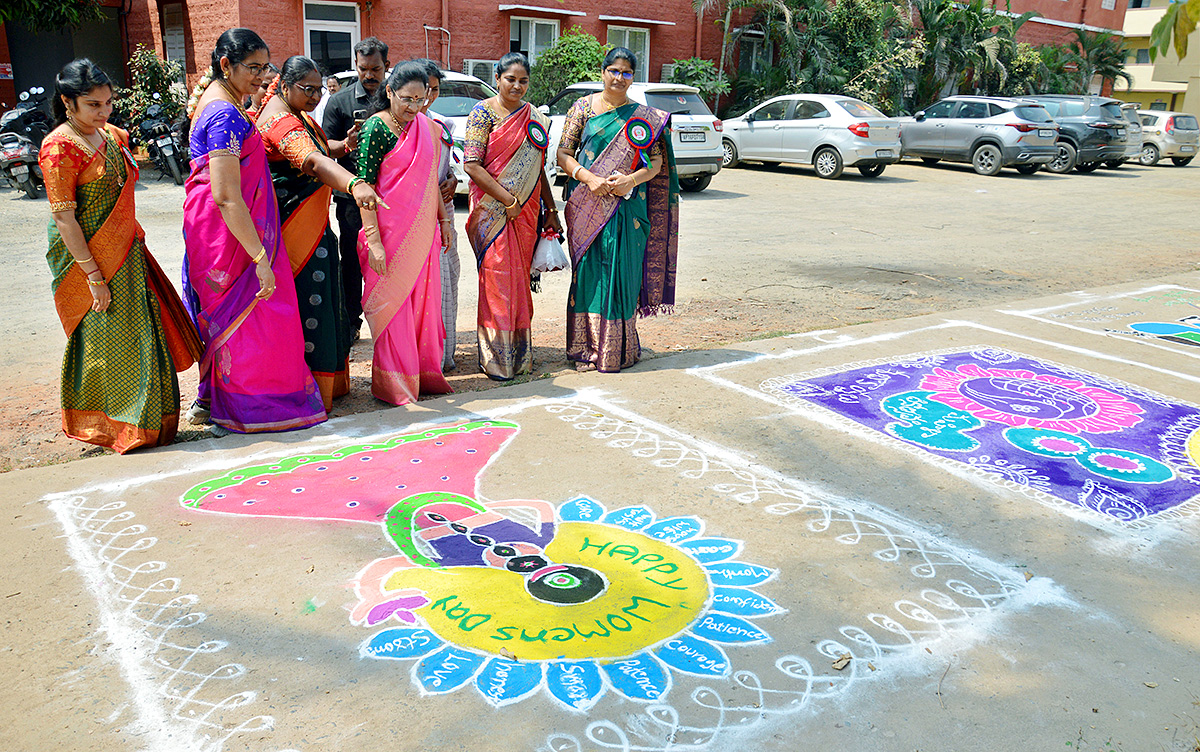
x=1181, y=161
x=729, y=154
x=871, y=171
x=1028, y=169
x=987, y=159
x=1064, y=161
x=1149, y=156
x=695, y=183
x=828, y=163
x=1087, y=167
x=1113, y=164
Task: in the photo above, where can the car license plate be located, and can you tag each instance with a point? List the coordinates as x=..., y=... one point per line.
x=20, y=170
x=883, y=152
x=1045, y=133
x=1187, y=148
x=692, y=136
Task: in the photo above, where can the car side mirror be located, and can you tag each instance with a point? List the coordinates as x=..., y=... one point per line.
x=919, y=116
x=544, y=109
x=750, y=118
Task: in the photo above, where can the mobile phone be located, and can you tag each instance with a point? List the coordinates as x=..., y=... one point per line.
x=360, y=116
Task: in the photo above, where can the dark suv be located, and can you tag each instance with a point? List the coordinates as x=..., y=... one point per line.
x=1091, y=131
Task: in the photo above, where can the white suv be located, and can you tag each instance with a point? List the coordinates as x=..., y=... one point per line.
x=695, y=131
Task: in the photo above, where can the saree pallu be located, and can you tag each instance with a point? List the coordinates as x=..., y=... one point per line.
x=504, y=249
x=119, y=388
x=312, y=251
x=404, y=306
x=623, y=251
x=253, y=373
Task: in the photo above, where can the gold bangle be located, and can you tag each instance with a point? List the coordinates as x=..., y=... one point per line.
x=262, y=252
x=513, y=205
x=353, y=182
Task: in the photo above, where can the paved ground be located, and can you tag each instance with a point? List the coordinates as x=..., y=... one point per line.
x=953, y=532
x=765, y=251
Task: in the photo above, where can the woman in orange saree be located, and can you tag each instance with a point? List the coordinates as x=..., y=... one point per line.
x=128, y=331
x=505, y=157
x=400, y=241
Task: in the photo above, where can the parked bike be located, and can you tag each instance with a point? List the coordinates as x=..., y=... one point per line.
x=19, y=164
x=162, y=142
x=29, y=118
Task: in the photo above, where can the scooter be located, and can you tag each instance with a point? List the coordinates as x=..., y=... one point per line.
x=19, y=164
x=29, y=117
x=162, y=143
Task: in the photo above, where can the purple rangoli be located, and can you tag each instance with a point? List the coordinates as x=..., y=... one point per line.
x=1087, y=440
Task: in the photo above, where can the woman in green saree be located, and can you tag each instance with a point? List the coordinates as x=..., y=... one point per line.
x=622, y=219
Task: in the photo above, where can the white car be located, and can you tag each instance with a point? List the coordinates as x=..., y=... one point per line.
x=457, y=95
x=695, y=131
x=828, y=132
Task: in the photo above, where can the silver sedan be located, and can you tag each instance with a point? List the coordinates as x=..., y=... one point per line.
x=829, y=132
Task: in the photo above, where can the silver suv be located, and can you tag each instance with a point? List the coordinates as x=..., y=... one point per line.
x=1168, y=134
x=989, y=132
x=1133, y=145
x=695, y=131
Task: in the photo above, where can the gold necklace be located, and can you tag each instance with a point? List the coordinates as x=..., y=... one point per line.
x=235, y=102
x=94, y=149
x=397, y=130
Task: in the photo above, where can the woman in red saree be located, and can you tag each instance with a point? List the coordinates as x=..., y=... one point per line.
x=511, y=200
x=253, y=376
x=400, y=242
x=305, y=174
x=127, y=330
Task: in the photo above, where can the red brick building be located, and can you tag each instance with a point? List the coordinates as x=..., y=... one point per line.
x=466, y=35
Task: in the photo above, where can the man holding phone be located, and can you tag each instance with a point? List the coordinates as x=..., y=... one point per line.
x=344, y=115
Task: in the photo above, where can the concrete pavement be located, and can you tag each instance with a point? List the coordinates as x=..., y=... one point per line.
x=962, y=531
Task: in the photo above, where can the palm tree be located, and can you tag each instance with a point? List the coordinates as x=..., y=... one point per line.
x=1099, y=55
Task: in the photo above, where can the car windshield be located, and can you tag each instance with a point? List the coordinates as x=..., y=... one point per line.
x=1185, y=122
x=1112, y=111
x=860, y=109
x=678, y=103
x=1064, y=109
x=1032, y=113
x=458, y=97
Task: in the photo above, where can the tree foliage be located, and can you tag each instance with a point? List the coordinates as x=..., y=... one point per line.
x=702, y=74
x=1177, y=23
x=155, y=81
x=50, y=15
x=576, y=56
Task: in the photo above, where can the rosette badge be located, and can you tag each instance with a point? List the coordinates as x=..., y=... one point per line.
x=640, y=134
x=537, y=135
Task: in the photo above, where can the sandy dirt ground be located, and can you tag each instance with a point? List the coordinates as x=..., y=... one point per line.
x=764, y=251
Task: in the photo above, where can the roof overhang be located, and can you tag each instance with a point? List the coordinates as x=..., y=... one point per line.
x=541, y=9
x=631, y=19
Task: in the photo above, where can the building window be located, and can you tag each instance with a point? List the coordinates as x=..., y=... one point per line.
x=1139, y=3
x=174, y=46
x=531, y=36
x=637, y=40
x=754, y=54
x=1143, y=57
x=330, y=33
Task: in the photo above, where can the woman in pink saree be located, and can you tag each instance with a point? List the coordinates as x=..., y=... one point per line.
x=401, y=239
x=511, y=200
x=252, y=376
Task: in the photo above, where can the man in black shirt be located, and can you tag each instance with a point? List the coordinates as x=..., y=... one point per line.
x=344, y=114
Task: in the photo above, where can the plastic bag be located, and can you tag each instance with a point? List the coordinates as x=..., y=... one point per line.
x=549, y=255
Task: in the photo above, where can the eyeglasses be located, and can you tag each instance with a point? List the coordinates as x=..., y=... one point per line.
x=412, y=101
x=257, y=70
x=627, y=75
x=311, y=91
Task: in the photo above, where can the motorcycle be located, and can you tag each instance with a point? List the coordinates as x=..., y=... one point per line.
x=29, y=118
x=162, y=143
x=19, y=164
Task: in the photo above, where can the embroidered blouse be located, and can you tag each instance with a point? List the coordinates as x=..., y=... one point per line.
x=480, y=123
x=577, y=118
x=285, y=137
x=374, y=142
x=66, y=166
x=220, y=129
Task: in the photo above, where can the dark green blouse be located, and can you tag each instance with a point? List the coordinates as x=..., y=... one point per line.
x=374, y=143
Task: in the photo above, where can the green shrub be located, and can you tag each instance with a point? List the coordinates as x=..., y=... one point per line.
x=701, y=73
x=576, y=56
x=150, y=75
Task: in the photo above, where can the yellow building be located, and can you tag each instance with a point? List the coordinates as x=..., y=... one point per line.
x=1167, y=84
